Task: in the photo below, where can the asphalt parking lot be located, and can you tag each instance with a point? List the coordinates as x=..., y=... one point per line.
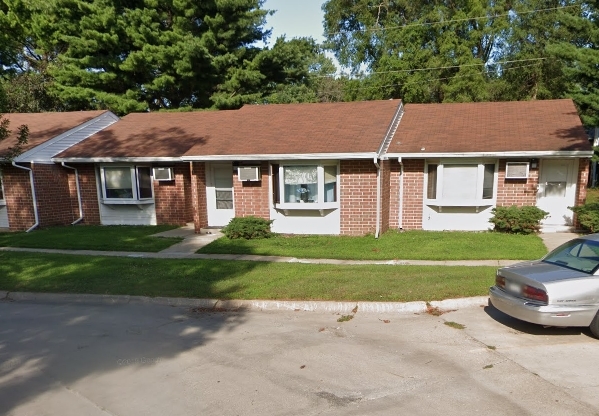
x=135, y=359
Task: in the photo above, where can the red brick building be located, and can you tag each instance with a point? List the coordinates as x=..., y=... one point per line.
x=34, y=190
x=335, y=168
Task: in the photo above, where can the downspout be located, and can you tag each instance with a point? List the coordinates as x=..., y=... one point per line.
x=78, y=193
x=378, y=197
x=37, y=220
x=401, y=172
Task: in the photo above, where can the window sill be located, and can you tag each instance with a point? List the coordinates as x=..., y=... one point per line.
x=477, y=204
x=2, y=202
x=137, y=202
x=307, y=206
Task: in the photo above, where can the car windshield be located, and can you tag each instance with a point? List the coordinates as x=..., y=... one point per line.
x=579, y=254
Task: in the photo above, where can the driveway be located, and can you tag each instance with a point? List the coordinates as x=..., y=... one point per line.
x=136, y=359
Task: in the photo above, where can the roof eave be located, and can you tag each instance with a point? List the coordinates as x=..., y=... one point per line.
x=114, y=159
x=281, y=156
x=546, y=154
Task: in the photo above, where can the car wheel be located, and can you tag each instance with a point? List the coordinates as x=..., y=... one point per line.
x=595, y=325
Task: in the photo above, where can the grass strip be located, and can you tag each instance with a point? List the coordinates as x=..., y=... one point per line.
x=409, y=245
x=93, y=237
x=37, y=272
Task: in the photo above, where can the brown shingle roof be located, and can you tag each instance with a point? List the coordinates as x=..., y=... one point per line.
x=550, y=125
x=254, y=130
x=44, y=126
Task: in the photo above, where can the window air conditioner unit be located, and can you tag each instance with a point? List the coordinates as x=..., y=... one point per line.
x=516, y=170
x=164, y=174
x=248, y=173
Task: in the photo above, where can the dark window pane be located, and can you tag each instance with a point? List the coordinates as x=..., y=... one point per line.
x=431, y=191
x=224, y=199
x=276, y=197
x=330, y=184
x=1, y=192
x=144, y=181
x=489, y=181
x=117, y=182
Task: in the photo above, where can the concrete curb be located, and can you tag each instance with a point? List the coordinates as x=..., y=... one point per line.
x=252, y=305
x=451, y=304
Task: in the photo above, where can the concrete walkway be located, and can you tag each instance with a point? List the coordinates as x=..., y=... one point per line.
x=193, y=242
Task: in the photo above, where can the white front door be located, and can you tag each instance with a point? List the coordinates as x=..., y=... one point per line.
x=557, y=192
x=219, y=194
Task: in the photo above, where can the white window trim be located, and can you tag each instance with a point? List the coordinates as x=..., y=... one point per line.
x=478, y=202
x=3, y=199
x=320, y=174
x=134, y=183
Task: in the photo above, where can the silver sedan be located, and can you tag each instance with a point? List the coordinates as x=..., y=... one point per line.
x=561, y=289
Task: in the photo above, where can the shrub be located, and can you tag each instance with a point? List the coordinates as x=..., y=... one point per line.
x=588, y=216
x=518, y=220
x=248, y=228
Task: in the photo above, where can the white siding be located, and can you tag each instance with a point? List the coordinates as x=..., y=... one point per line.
x=456, y=218
x=3, y=216
x=127, y=214
x=306, y=222
x=44, y=152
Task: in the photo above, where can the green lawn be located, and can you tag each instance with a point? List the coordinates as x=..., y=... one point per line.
x=38, y=272
x=409, y=245
x=91, y=237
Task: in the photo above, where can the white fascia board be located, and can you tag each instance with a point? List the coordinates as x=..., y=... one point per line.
x=528, y=154
x=30, y=155
x=114, y=159
x=305, y=156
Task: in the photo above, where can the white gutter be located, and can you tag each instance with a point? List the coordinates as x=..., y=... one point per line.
x=401, y=182
x=114, y=159
x=378, y=198
x=281, y=156
x=78, y=193
x=528, y=154
x=216, y=158
x=37, y=220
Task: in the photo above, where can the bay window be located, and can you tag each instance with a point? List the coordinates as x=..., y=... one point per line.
x=126, y=183
x=314, y=184
x=460, y=183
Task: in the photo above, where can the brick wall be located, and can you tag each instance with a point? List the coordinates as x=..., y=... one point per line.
x=358, y=197
x=581, y=186
x=582, y=181
x=173, y=198
x=385, y=194
x=198, y=195
x=252, y=198
x=89, y=193
x=518, y=192
x=394, y=175
x=55, y=201
x=19, y=201
x=413, y=193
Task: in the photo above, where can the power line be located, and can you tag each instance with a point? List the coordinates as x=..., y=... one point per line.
x=380, y=29
x=428, y=81
x=444, y=67
x=455, y=66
